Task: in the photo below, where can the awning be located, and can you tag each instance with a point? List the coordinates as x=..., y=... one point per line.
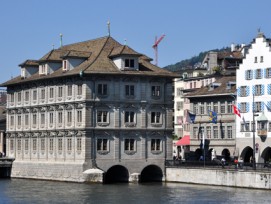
x=184, y=141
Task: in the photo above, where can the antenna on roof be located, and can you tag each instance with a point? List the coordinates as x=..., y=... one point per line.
x=108, y=27
x=53, y=46
x=61, y=39
x=125, y=41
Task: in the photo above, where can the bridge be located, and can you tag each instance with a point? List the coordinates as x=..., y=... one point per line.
x=5, y=167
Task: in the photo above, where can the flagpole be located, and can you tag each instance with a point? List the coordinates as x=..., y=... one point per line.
x=254, y=126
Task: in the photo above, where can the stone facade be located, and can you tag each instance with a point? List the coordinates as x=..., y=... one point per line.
x=62, y=127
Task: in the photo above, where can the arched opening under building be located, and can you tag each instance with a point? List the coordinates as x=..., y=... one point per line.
x=116, y=174
x=226, y=154
x=266, y=154
x=151, y=173
x=247, y=154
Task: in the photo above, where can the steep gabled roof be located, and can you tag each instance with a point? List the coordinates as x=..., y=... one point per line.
x=98, y=55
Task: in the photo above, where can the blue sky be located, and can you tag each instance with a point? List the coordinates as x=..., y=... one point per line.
x=29, y=28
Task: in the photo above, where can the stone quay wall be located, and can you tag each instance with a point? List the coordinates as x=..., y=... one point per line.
x=220, y=177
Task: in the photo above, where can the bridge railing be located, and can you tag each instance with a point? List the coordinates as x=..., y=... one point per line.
x=217, y=165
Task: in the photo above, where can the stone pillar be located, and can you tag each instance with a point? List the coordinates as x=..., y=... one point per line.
x=134, y=178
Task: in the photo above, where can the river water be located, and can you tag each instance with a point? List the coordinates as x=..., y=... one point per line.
x=37, y=191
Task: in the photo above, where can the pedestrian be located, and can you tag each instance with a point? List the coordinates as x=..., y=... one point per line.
x=241, y=162
x=201, y=158
x=236, y=163
x=223, y=162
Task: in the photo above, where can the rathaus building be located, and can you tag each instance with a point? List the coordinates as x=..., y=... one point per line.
x=90, y=108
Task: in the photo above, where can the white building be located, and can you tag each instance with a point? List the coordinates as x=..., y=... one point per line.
x=254, y=79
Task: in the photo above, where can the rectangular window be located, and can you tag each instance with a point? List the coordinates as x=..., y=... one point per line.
x=249, y=74
x=12, y=97
x=79, y=144
x=268, y=73
x=79, y=89
x=129, y=144
x=26, y=144
x=19, y=97
x=65, y=65
x=102, y=116
x=195, y=132
x=79, y=116
x=34, y=144
x=215, y=132
x=208, y=132
x=229, y=106
x=216, y=107
x=69, y=90
x=258, y=106
x=243, y=91
x=19, y=141
x=102, y=89
x=222, y=130
x=269, y=126
x=60, y=91
x=27, y=96
x=51, y=118
x=129, y=63
x=42, y=94
x=180, y=105
x=179, y=91
x=155, y=145
x=11, y=144
x=60, y=117
x=60, y=144
x=195, y=108
x=229, y=132
x=261, y=60
x=129, y=117
x=155, y=91
x=51, y=93
x=19, y=122
x=201, y=108
x=26, y=120
x=42, y=118
x=102, y=144
x=243, y=108
x=258, y=73
x=255, y=60
x=69, y=116
x=258, y=90
x=129, y=90
x=42, y=144
x=222, y=107
x=51, y=145
x=156, y=117
x=34, y=95
x=69, y=144
x=209, y=106
x=34, y=119
x=12, y=120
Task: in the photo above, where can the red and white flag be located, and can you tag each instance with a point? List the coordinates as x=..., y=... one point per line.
x=236, y=110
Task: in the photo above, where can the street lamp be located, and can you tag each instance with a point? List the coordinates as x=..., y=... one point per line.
x=254, y=126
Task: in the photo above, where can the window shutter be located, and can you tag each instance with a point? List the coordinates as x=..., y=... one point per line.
x=262, y=73
x=246, y=77
x=269, y=89
x=262, y=106
x=239, y=106
x=254, y=74
x=247, y=107
x=247, y=91
x=238, y=91
x=253, y=89
x=269, y=106
x=262, y=89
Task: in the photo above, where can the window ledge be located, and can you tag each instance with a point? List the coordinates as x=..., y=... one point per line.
x=130, y=124
x=102, y=152
x=102, y=124
x=130, y=152
x=157, y=152
x=156, y=125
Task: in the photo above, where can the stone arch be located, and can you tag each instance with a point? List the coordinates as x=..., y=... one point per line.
x=246, y=154
x=266, y=154
x=226, y=154
x=115, y=174
x=151, y=173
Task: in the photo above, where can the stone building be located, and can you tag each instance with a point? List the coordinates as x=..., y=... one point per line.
x=219, y=137
x=94, y=107
x=253, y=100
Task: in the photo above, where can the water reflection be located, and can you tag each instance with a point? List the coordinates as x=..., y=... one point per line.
x=36, y=191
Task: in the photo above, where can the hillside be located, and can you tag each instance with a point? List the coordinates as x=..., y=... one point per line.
x=193, y=61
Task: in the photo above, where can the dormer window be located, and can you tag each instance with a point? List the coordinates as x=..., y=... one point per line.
x=23, y=73
x=43, y=69
x=129, y=63
x=65, y=65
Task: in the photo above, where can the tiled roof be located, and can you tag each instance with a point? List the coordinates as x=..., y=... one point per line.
x=98, y=61
x=76, y=54
x=235, y=54
x=29, y=63
x=219, y=90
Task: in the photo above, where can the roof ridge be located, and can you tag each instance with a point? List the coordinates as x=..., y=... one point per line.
x=82, y=42
x=97, y=55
